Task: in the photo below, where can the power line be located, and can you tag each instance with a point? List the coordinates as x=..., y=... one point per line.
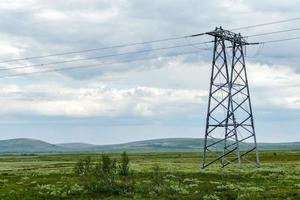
x=107, y=56
x=90, y=50
x=140, y=43
x=121, y=62
x=96, y=49
x=96, y=65
x=126, y=61
x=280, y=40
x=272, y=41
x=266, y=24
x=273, y=32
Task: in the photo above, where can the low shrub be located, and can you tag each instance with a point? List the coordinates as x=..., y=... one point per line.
x=107, y=176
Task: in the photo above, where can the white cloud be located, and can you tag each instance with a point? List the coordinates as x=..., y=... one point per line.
x=7, y=5
x=271, y=86
x=87, y=102
x=52, y=15
x=237, y=6
x=275, y=85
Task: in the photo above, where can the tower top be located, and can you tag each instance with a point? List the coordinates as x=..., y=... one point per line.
x=229, y=36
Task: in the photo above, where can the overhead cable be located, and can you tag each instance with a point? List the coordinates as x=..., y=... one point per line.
x=95, y=65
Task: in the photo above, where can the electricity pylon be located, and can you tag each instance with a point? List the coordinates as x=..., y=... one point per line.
x=230, y=134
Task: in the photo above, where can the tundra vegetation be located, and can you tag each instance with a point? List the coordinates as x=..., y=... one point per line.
x=146, y=176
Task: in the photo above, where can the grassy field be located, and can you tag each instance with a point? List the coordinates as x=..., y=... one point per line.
x=154, y=176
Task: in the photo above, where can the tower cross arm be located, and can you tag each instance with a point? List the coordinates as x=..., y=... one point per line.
x=219, y=32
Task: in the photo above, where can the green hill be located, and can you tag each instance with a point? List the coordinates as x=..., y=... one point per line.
x=24, y=145
x=158, y=145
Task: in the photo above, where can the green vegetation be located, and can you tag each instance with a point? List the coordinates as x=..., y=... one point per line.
x=146, y=176
x=106, y=177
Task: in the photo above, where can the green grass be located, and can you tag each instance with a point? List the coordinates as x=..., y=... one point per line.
x=52, y=177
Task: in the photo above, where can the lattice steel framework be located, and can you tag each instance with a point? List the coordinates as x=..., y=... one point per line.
x=230, y=134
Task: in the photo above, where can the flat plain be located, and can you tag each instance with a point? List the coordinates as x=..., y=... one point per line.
x=155, y=175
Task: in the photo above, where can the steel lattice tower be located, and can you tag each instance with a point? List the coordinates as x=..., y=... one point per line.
x=229, y=124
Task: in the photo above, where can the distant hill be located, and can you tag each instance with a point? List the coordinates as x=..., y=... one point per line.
x=75, y=145
x=24, y=145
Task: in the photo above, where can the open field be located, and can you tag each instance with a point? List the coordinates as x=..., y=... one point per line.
x=176, y=176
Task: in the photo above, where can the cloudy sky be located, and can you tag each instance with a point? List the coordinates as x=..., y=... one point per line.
x=157, y=98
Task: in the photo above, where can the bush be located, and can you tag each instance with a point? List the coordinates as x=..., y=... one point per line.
x=106, y=177
x=157, y=181
x=83, y=167
x=124, y=165
x=126, y=175
x=105, y=173
x=85, y=171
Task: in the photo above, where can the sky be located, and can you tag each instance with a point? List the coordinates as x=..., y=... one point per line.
x=165, y=97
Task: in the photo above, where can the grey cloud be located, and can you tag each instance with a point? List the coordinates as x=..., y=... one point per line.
x=133, y=20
